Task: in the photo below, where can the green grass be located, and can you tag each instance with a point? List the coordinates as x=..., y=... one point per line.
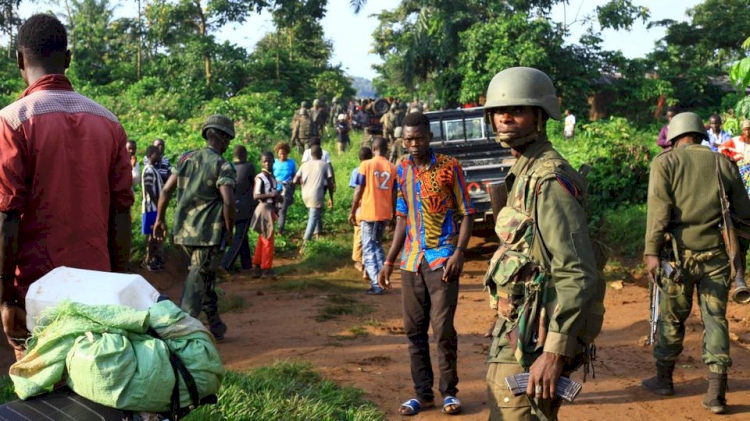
x=286, y=391
x=282, y=391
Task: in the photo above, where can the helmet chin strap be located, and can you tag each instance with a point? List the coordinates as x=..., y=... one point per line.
x=508, y=141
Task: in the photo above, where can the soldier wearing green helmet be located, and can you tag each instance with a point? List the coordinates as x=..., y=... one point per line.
x=544, y=280
x=684, y=206
x=204, y=216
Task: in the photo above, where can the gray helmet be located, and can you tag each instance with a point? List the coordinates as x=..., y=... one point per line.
x=304, y=104
x=316, y=102
x=684, y=123
x=398, y=132
x=335, y=100
x=394, y=107
x=522, y=86
x=218, y=122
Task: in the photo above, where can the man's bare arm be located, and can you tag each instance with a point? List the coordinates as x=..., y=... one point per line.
x=227, y=196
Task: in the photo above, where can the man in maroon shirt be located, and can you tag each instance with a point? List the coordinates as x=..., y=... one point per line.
x=65, y=177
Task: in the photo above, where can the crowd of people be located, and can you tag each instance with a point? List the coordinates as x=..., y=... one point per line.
x=67, y=172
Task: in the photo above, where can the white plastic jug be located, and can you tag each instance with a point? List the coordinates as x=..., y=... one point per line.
x=87, y=287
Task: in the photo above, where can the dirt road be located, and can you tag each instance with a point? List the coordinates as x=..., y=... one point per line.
x=369, y=351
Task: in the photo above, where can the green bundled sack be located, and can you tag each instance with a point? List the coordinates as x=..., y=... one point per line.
x=110, y=359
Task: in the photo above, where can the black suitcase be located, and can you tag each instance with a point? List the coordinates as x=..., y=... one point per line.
x=61, y=404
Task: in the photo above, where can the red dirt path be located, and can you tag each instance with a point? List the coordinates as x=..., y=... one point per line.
x=279, y=324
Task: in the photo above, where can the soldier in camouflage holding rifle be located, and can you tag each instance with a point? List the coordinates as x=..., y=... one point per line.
x=544, y=280
x=683, y=201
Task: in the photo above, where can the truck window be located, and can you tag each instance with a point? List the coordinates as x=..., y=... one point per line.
x=454, y=130
x=474, y=128
x=435, y=129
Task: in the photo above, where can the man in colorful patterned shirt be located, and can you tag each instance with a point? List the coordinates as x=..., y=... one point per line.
x=433, y=229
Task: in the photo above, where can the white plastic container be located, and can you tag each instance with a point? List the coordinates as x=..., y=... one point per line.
x=87, y=287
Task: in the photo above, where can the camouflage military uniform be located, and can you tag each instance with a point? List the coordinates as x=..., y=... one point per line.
x=693, y=220
x=199, y=223
x=545, y=261
x=388, y=120
x=304, y=131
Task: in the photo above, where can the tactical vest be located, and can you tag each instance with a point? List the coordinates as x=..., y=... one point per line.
x=307, y=129
x=518, y=278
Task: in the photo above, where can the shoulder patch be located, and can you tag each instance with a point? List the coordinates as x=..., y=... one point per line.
x=185, y=156
x=569, y=186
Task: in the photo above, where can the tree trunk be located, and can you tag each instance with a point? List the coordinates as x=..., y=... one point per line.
x=202, y=28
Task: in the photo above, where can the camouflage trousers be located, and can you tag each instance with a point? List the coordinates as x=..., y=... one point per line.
x=199, y=294
x=708, y=274
x=506, y=407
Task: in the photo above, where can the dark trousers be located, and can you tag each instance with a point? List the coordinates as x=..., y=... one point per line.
x=288, y=201
x=426, y=298
x=240, y=247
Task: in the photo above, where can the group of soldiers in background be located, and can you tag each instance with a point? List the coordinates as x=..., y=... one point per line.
x=377, y=117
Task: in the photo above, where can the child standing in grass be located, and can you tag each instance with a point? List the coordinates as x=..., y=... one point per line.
x=151, y=184
x=266, y=192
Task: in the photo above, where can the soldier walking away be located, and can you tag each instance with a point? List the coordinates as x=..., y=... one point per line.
x=304, y=105
x=304, y=130
x=388, y=120
x=544, y=281
x=203, y=218
x=54, y=139
x=433, y=228
x=692, y=222
x=320, y=116
x=336, y=109
x=397, y=148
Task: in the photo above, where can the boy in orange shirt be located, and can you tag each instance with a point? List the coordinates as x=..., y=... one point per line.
x=375, y=196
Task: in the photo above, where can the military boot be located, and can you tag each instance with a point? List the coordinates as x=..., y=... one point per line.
x=216, y=326
x=661, y=384
x=715, y=399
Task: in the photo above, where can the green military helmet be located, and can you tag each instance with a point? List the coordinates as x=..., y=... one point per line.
x=304, y=104
x=522, y=86
x=397, y=132
x=684, y=123
x=316, y=102
x=219, y=122
x=335, y=100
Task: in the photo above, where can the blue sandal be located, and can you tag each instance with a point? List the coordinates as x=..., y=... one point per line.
x=454, y=402
x=414, y=406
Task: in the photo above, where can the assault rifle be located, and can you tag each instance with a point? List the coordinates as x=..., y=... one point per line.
x=670, y=272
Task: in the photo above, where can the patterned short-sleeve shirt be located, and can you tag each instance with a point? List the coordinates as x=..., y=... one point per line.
x=433, y=201
x=199, y=218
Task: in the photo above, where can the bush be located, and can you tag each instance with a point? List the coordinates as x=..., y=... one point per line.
x=624, y=229
x=619, y=156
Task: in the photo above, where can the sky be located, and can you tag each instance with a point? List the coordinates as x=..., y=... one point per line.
x=351, y=34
